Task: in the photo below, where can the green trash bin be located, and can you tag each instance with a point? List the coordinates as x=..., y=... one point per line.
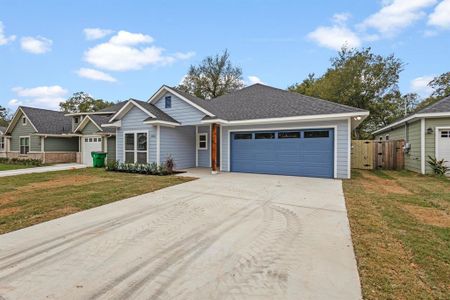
x=98, y=159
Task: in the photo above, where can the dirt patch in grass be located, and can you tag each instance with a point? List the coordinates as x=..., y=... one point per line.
x=53, y=183
x=29, y=199
x=379, y=185
x=399, y=255
x=429, y=215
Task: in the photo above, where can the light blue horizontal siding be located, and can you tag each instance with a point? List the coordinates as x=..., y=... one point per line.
x=133, y=121
x=204, y=156
x=181, y=111
x=341, y=135
x=178, y=143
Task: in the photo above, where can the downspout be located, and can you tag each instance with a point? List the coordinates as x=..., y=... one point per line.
x=422, y=146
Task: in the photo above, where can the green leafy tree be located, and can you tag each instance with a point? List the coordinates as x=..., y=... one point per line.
x=441, y=89
x=83, y=102
x=362, y=79
x=213, y=77
x=3, y=117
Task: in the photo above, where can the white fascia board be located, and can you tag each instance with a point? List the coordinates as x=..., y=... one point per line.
x=14, y=120
x=162, y=123
x=90, y=113
x=362, y=115
x=130, y=102
x=84, y=123
x=115, y=124
x=413, y=117
x=64, y=135
x=155, y=98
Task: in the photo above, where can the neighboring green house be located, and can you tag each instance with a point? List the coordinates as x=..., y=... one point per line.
x=56, y=137
x=426, y=133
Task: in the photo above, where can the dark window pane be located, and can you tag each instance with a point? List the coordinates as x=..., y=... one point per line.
x=243, y=136
x=129, y=141
x=289, y=135
x=129, y=157
x=317, y=134
x=142, y=141
x=142, y=157
x=264, y=135
x=168, y=102
x=202, y=145
x=202, y=137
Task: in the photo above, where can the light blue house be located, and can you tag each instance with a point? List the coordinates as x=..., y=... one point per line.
x=258, y=129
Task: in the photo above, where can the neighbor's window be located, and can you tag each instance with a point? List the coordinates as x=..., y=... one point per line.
x=317, y=134
x=242, y=136
x=445, y=134
x=264, y=135
x=168, y=101
x=387, y=137
x=136, y=148
x=76, y=120
x=2, y=143
x=24, y=121
x=202, y=141
x=289, y=135
x=24, y=145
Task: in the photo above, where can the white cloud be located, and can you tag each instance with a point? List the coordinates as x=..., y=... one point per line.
x=95, y=75
x=337, y=35
x=41, y=96
x=36, y=45
x=122, y=53
x=96, y=33
x=129, y=38
x=441, y=15
x=3, y=38
x=396, y=15
x=420, y=86
x=254, y=79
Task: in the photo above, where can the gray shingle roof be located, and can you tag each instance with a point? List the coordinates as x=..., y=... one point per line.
x=48, y=121
x=160, y=115
x=442, y=105
x=260, y=102
x=103, y=119
x=114, y=108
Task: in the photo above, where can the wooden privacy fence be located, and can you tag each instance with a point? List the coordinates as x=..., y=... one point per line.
x=369, y=155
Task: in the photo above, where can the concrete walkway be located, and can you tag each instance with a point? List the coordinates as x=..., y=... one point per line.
x=226, y=236
x=58, y=167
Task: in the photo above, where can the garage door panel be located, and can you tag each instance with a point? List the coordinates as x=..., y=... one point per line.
x=285, y=156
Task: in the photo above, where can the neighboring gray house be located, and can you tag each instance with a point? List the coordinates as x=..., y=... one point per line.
x=426, y=132
x=2, y=141
x=54, y=136
x=258, y=129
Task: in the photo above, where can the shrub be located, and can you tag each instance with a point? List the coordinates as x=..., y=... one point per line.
x=18, y=161
x=146, y=169
x=439, y=166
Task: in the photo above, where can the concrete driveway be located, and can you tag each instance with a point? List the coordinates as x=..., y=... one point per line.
x=228, y=236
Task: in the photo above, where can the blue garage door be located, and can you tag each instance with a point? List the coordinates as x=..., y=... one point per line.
x=284, y=152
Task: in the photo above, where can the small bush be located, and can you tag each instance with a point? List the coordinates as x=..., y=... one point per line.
x=146, y=169
x=18, y=161
x=439, y=166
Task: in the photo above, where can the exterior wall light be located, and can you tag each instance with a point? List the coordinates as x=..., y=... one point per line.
x=430, y=130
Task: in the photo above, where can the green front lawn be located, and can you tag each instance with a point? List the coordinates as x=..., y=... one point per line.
x=6, y=167
x=400, y=224
x=34, y=198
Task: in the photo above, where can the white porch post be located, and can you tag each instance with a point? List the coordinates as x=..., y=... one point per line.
x=422, y=146
x=196, y=146
x=158, y=144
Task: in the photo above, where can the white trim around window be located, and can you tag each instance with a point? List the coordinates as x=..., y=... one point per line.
x=203, y=135
x=437, y=136
x=135, y=150
x=2, y=144
x=26, y=145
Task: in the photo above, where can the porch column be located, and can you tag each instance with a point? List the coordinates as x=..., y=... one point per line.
x=214, y=148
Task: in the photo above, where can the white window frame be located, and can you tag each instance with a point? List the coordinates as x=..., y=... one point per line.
x=135, y=150
x=2, y=144
x=20, y=145
x=206, y=141
x=24, y=119
x=387, y=137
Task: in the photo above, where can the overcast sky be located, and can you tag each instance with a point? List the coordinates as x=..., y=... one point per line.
x=128, y=49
